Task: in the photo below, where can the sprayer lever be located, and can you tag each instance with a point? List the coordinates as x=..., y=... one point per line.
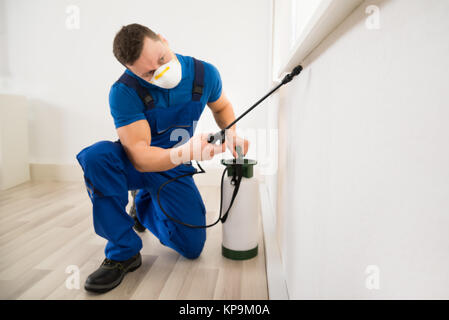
x=219, y=136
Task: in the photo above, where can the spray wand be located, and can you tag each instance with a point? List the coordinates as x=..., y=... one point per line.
x=220, y=136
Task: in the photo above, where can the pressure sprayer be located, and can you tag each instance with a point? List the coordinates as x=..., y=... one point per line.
x=240, y=225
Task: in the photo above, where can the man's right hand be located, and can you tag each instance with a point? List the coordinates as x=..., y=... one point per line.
x=197, y=148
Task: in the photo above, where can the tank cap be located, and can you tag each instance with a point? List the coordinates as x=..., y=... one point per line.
x=247, y=166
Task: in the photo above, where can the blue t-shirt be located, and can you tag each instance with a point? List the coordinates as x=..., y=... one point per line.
x=127, y=107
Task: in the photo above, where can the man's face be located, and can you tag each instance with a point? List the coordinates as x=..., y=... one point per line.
x=154, y=54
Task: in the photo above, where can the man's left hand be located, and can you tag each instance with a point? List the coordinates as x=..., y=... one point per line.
x=233, y=140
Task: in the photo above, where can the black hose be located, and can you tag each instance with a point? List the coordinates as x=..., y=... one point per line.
x=191, y=174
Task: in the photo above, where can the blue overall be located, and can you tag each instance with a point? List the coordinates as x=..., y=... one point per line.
x=108, y=175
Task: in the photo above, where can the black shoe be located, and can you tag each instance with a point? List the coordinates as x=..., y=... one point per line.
x=133, y=213
x=111, y=273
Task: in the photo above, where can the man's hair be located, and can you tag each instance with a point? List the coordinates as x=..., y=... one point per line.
x=128, y=42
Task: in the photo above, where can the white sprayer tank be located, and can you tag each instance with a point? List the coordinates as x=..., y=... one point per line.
x=241, y=227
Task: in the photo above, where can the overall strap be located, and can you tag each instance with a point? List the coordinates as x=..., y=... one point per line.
x=142, y=92
x=198, y=82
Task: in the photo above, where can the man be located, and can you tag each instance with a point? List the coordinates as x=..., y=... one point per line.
x=155, y=105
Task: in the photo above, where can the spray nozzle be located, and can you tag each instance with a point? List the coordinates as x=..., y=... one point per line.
x=297, y=70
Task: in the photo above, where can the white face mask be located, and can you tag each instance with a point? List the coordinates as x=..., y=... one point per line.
x=168, y=75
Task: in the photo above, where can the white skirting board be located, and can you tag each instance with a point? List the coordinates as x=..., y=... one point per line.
x=277, y=286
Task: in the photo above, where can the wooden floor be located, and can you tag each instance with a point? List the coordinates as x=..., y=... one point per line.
x=46, y=233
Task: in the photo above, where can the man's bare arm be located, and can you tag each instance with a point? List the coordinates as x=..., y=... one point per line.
x=136, y=139
x=223, y=112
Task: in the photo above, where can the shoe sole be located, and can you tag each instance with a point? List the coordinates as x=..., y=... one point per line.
x=103, y=289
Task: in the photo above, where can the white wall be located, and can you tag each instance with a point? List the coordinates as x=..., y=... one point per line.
x=66, y=74
x=363, y=154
